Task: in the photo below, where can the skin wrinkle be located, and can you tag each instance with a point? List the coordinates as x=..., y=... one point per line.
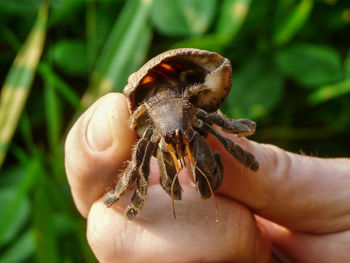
x=309, y=248
x=110, y=127
x=280, y=176
x=290, y=162
x=255, y=250
x=260, y=245
x=321, y=213
x=318, y=210
x=234, y=177
x=94, y=229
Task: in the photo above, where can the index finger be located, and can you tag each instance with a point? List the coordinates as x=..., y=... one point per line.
x=303, y=193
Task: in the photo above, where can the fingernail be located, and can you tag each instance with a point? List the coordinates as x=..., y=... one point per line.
x=99, y=131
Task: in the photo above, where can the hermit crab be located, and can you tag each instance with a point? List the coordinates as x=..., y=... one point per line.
x=174, y=100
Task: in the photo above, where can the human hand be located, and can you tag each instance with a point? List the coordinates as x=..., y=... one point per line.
x=307, y=195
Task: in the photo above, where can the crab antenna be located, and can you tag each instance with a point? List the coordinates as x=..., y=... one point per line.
x=181, y=155
x=178, y=170
x=172, y=190
x=189, y=152
x=206, y=178
x=173, y=155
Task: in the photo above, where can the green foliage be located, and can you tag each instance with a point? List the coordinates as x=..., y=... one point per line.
x=291, y=15
x=291, y=74
x=123, y=52
x=21, y=250
x=232, y=16
x=311, y=65
x=264, y=84
x=70, y=56
x=183, y=17
x=20, y=214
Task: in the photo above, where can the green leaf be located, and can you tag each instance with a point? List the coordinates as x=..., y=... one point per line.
x=47, y=73
x=291, y=17
x=183, y=17
x=329, y=92
x=19, y=79
x=70, y=56
x=15, y=200
x=347, y=64
x=131, y=26
x=212, y=42
x=311, y=65
x=232, y=16
x=63, y=11
x=25, y=128
x=11, y=176
x=53, y=115
x=20, y=214
x=138, y=57
x=20, y=250
x=44, y=231
x=16, y=8
x=256, y=89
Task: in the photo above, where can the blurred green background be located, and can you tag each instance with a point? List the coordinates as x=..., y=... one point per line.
x=291, y=74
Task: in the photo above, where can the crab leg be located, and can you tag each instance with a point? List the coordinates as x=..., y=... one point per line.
x=139, y=196
x=244, y=157
x=131, y=172
x=137, y=114
x=241, y=127
x=175, y=178
x=207, y=169
x=204, y=167
x=167, y=171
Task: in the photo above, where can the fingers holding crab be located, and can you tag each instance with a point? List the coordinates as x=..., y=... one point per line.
x=155, y=236
x=96, y=149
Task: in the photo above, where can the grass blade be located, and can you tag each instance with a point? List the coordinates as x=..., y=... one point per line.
x=21, y=250
x=19, y=79
x=293, y=22
x=328, y=92
x=44, y=230
x=47, y=73
x=53, y=114
x=232, y=16
x=109, y=74
x=32, y=169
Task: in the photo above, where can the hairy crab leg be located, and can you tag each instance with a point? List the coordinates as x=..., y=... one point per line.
x=178, y=170
x=205, y=177
x=139, y=196
x=131, y=172
x=241, y=127
x=244, y=157
x=167, y=171
x=137, y=115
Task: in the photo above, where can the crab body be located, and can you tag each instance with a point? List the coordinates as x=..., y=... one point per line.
x=173, y=99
